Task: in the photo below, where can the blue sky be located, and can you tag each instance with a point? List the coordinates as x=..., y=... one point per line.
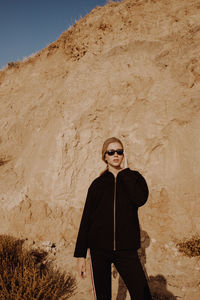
x=27, y=26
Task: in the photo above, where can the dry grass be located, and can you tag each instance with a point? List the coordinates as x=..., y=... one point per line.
x=13, y=65
x=190, y=247
x=28, y=275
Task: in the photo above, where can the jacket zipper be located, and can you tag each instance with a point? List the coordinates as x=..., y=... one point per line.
x=115, y=214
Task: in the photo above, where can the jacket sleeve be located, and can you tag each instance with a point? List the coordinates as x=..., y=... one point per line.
x=141, y=191
x=137, y=188
x=82, y=238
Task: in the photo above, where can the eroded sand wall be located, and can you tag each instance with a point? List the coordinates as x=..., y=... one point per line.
x=130, y=70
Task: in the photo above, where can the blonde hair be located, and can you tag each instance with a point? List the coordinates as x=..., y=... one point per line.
x=106, y=143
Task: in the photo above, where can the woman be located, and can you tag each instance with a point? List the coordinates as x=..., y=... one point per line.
x=110, y=228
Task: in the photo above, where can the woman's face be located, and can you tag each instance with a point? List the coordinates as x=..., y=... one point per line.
x=116, y=159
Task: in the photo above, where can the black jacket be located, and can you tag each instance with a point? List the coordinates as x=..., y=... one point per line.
x=110, y=216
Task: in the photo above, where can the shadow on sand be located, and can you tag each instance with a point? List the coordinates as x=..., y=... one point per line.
x=157, y=284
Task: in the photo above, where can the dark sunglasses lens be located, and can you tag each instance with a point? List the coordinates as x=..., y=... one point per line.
x=120, y=151
x=112, y=152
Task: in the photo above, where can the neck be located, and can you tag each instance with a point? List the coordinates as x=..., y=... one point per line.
x=114, y=170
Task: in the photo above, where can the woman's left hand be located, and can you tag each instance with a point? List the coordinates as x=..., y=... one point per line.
x=81, y=266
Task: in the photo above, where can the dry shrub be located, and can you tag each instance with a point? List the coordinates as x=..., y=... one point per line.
x=26, y=274
x=190, y=247
x=13, y=65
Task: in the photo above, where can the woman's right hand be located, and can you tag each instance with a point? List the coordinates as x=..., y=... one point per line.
x=81, y=267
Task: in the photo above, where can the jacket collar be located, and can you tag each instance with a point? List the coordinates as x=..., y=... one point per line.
x=108, y=173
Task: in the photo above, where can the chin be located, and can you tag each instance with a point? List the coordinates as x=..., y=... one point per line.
x=116, y=165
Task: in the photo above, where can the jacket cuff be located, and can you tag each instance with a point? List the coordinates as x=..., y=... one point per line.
x=80, y=253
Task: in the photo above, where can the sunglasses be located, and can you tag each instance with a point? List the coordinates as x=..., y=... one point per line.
x=112, y=152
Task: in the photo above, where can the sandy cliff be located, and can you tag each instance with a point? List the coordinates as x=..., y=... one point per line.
x=129, y=69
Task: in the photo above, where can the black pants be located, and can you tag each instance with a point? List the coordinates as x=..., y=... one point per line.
x=129, y=267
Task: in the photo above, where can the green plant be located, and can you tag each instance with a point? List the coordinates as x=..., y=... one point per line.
x=27, y=274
